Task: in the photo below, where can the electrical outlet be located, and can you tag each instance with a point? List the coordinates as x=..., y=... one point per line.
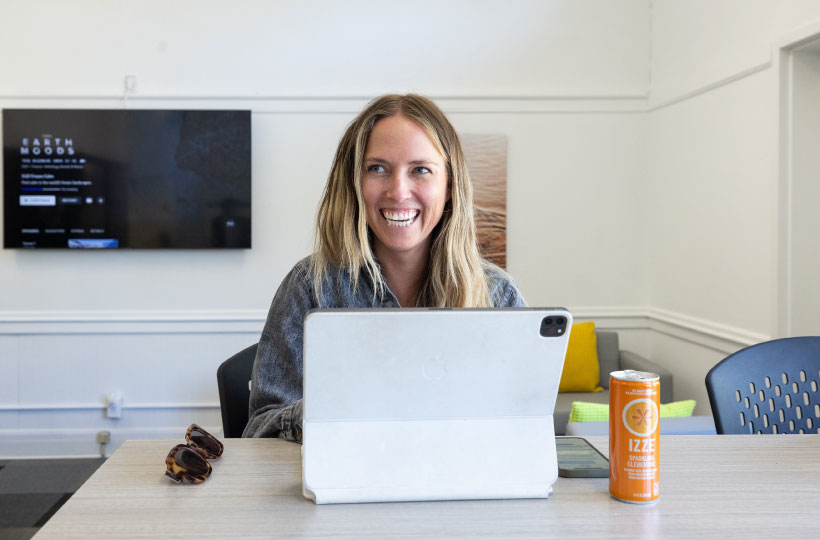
x=114, y=407
x=130, y=84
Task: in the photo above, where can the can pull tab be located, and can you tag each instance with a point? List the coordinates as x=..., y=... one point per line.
x=632, y=374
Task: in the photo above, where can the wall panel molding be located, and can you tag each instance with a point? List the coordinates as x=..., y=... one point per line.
x=716, y=336
x=701, y=331
x=131, y=322
x=271, y=104
x=723, y=81
x=102, y=406
x=75, y=443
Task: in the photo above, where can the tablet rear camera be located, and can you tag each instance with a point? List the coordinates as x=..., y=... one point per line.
x=553, y=326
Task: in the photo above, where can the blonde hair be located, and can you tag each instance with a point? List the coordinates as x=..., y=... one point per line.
x=455, y=276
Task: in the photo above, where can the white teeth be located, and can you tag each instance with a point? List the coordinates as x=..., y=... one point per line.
x=400, y=218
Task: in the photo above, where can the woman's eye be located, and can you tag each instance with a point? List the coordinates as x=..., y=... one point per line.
x=421, y=170
x=375, y=169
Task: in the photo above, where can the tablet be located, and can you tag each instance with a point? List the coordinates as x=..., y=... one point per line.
x=431, y=404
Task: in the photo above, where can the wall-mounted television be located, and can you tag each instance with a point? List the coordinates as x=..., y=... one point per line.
x=126, y=178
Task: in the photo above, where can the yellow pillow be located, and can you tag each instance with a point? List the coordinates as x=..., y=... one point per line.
x=598, y=412
x=581, y=368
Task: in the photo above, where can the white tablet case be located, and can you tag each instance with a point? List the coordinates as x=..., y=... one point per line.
x=439, y=404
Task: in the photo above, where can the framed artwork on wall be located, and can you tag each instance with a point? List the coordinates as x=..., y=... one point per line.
x=486, y=157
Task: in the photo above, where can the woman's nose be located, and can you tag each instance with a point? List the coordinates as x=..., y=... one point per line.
x=398, y=188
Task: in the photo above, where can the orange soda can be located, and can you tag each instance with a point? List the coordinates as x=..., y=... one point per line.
x=634, y=436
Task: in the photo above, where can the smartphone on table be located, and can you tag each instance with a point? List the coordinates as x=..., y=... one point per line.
x=577, y=458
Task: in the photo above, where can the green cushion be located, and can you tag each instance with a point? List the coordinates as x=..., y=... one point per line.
x=583, y=411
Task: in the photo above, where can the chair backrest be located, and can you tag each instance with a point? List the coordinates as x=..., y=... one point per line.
x=233, y=378
x=771, y=387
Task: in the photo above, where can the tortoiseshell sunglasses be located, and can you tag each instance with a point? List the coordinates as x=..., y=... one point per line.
x=190, y=460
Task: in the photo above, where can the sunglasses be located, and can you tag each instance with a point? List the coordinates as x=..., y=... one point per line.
x=190, y=460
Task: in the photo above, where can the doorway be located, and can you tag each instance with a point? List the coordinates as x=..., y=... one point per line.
x=799, y=208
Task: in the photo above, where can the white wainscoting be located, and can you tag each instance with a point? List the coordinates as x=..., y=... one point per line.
x=57, y=370
x=164, y=366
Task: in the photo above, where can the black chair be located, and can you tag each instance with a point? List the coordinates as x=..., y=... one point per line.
x=234, y=377
x=771, y=387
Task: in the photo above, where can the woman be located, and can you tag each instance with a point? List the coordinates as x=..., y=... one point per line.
x=395, y=228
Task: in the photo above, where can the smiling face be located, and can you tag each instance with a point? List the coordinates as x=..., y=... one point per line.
x=404, y=187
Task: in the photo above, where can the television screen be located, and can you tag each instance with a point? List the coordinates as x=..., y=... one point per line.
x=126, y=179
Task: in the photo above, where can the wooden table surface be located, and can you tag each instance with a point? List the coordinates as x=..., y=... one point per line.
x=723, y=487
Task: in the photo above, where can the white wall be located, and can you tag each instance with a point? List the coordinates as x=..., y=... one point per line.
x=699, y=44
x=713, y=174
x=321, y=48
x=565, y=81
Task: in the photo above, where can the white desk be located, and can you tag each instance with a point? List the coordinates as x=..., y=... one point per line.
x=721, y=487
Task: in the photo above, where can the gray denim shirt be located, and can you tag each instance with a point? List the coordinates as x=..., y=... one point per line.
x=275, y=407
